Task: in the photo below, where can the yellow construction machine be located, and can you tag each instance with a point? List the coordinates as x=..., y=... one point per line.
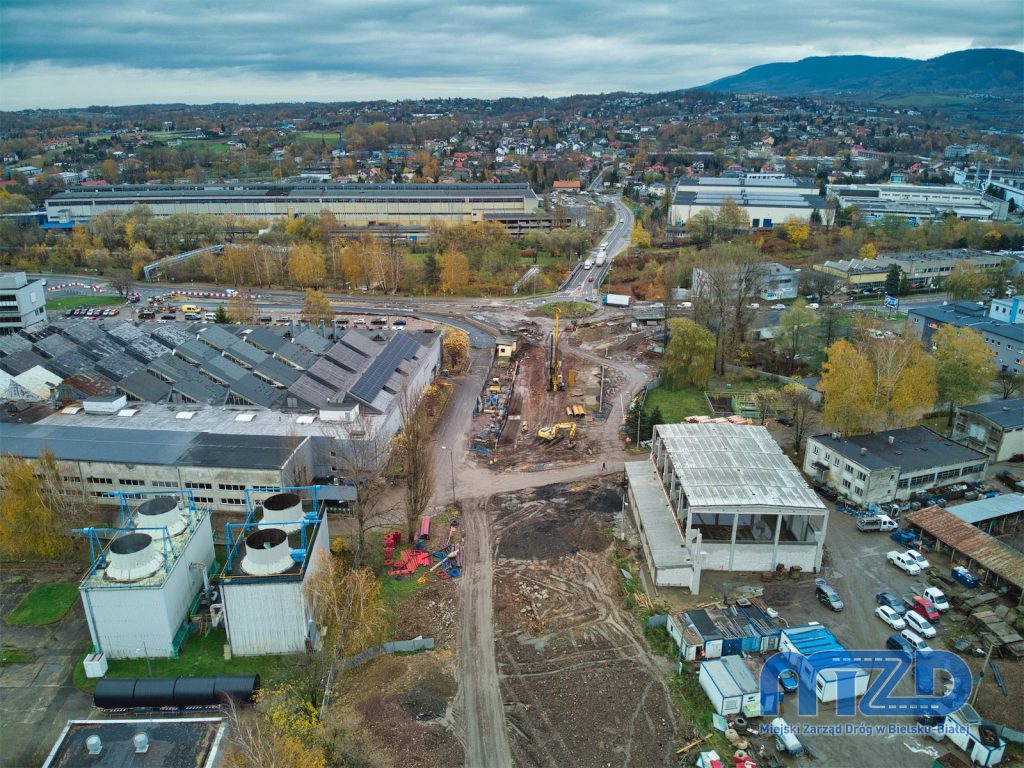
x=555, y=430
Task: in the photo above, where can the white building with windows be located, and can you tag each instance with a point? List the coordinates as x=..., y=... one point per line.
x=883, y=466
x=22, y=302
x=767, y=199
x=722, y=497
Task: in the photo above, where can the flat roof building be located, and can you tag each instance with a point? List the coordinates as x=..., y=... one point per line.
x=1005, y=339
x=882, y=466
x=995, y=428
x=722, y=497
x=22, y=302
x=357, y=206
x=768, y=199
x=914, y=202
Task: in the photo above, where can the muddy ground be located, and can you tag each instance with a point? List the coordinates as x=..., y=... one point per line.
x=399, y=711
x=581, y=687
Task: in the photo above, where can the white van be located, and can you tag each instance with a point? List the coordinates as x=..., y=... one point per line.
x=919, y=624
x=915, y=640
x=209, y=316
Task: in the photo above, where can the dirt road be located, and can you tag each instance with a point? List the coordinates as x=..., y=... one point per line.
x=479, y=710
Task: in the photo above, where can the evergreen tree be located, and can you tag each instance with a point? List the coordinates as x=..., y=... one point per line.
x=892, y=280
x=431, y=270
x=221, y=316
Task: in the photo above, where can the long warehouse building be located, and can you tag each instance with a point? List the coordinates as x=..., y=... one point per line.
x=354, y=205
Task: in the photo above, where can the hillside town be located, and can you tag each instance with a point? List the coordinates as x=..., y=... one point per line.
x=678, y=428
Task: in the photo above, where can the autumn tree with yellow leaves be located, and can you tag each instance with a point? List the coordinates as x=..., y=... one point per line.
x=872, y=384
x=306, y=267
x=454, y=271
x=36, y=510
x=964, y=364
x=316, y=307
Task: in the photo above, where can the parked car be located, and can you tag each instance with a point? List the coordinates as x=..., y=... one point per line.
x=920, y=624
x=778, y=306
x=922, y=606
x=814, y=305
x=828, y=596
x=890, y=617
x=785, y=421
x=398, y=323
x=753, y=306
x=360, y=321
x=379, y=321
x=193, y=316
x=919, y=645
x=68, y=312
x=890, y=600
x=938, y=599
x=826, y=492
x=115, y=312
x=788, y=680
x=211, y=316
x=904, y=563
x=867, y=523
x=918, y=559
x=898, y=643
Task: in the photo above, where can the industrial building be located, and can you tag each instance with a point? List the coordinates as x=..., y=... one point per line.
x=1005, y=339
x=722, y=497
x=140, y=586
x=920, y=269
x=767, y=199
x=214, y=409
x=776, y=282
x=995, y=428
x=916, y=202
x=708, y=633
x=263, y=586
x=22, y=302
x=883, y=466
x=357, y=206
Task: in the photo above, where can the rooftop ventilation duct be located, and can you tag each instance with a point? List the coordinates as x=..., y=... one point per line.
x=141, y=741
x=133, y=557
x=161, y=512
x=94, y=745
x=267, y=552
x=284, y=511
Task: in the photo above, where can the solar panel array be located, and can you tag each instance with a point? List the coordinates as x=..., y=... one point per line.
x=370, y=384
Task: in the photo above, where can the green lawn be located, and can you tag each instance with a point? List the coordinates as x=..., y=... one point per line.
x=568, y=309
x=70, y=302
x=394, y=590
x=675, y=405
x=201, y=657
x=316, y=137
x=11, y=655
x=45, y=604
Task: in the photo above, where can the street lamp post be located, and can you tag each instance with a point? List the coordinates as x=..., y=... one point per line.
x=451, y=461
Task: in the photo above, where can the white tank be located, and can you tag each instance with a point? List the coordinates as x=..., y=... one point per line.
x=132, y=557
x=284, y=511
x=161, y=512
x=267, y=552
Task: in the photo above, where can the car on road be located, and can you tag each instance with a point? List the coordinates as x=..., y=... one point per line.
x=778, y=306
x=889, y=600
x=919, y=624
x=890, y=617
x=814, y=305
x=904, y=563
x=590, y=279
x=360, y=321
x=828, y=596
x=753, y=306
x=918, y=559
x=915, y=640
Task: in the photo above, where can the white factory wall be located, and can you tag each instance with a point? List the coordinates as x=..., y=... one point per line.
x=680, y=214
x=128, y=622
x=271, y=616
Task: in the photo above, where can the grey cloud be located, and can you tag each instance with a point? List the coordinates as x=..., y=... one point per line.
x=550, y=47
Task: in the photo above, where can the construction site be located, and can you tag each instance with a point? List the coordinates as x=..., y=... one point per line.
x=579, y=682
x=546, y=405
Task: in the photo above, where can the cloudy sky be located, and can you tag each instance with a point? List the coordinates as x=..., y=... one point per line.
x=66, y=53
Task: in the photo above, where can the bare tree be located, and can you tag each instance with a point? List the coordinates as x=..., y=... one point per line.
x=413, y=450
x=1010, y=383
x=729, y=279
x=362, y=456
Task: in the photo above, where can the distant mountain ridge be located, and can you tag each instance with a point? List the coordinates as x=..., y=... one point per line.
x=995, y=71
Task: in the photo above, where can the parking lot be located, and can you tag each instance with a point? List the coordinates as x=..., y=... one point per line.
x=856, y=567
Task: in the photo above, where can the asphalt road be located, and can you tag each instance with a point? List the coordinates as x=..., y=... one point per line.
x=586, y=283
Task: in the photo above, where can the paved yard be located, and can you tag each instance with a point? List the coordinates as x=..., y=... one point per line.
x=37, y=698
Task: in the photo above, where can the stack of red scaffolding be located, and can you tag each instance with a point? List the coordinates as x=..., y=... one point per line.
x=391, y=540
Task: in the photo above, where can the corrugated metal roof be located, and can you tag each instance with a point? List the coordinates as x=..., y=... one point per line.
x=265, y=339
x=217, y=337
x=734, y=465
x=1008, y=414
x=311, y=340
x=13, y=342
x=979, y=511
x=246, y=354
x=21, y=361
x=119, y=366
x=296, y=356
x=988, y=552
x=279, y=373
x=38, y=380
x=70, y=363
x=142, y=385
x=256, y=391
x=660, y=526
x=195, y=352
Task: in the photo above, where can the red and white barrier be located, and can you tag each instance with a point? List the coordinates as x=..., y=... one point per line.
x=206, y=294
x=95, y=287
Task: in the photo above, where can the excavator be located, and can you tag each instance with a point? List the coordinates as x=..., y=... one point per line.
x=555, y=430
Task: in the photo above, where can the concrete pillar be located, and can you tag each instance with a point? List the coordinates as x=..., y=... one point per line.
x=732, y=541
x=778, y=533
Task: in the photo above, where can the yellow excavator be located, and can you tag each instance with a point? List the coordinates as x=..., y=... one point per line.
x=552, y=432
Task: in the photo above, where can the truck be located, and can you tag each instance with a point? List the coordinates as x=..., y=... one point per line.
x=617, y=300
x=901, y=561
x=600, y=259
x=937, y=597
x=921, y=606
x=867, y=523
